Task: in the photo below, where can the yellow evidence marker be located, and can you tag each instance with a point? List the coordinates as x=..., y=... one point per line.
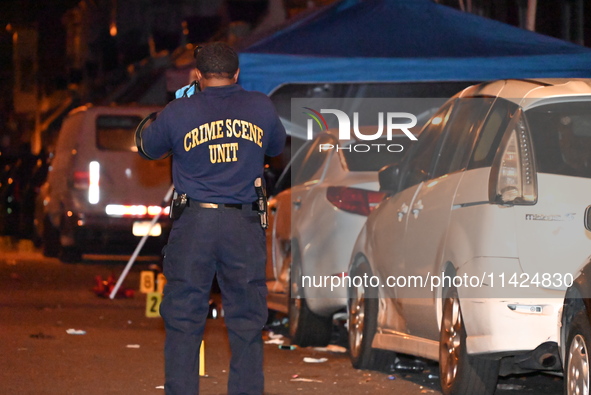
x=153, y=300
x=147, y=281
x=202, y=359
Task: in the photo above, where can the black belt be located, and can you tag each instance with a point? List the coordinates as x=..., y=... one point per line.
x=238, y=206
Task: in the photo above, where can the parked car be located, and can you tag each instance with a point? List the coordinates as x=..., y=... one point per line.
x=100, y=194
x=472, y=252
x=314, y=223
x=575, y=331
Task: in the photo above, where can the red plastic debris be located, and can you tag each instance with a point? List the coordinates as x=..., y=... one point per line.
x=103, y=288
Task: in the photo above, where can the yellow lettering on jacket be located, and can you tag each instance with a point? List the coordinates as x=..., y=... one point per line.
x=229, y=128
x=223, y=153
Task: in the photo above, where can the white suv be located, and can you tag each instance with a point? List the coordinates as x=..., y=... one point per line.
x=468, y=259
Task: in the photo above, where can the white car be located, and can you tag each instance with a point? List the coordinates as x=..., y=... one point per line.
x=324, y=199
x=468, y=259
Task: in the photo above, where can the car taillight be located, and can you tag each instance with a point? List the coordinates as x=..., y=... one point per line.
x=514, y=179
x=354, y=200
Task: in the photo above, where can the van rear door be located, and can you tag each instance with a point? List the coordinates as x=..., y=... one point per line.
x=115, y=172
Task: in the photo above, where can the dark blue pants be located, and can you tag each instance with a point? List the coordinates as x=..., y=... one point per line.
x=203, y=242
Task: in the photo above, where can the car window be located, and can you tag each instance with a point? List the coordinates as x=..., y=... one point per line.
x=491, y=133
x=419, y=163
x=460, y=132
x=313, y=160
x=284, y=180
x=561, y=134
x=116, y=132
x=363, y=157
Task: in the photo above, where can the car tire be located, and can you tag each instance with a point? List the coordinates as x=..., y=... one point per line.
x=460, y=373
x=362, y=325
x=305, y=327
x=50, y=239
x=576, y=358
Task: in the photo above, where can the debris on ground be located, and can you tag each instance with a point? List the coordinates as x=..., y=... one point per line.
x=274, y=341
x=290, y=347
x=426, y=391
x=73, y=331
x=315, y=360
x=273, y=335
x=305, y=380
x=407, y=366
x=133, y=346
x=332, y=348
x=40, y=335
x=103, y=288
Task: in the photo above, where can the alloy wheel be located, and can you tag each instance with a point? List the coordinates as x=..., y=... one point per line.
x=356, y=322
x=578, y=367
x=451, y=329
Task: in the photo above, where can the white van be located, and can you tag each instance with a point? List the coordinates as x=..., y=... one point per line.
x=100, y=194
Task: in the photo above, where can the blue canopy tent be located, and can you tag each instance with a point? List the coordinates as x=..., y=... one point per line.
x=403, y=40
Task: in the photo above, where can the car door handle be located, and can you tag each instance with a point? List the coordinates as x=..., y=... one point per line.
x=297, y=203
x=416, y=209
x=402, y=211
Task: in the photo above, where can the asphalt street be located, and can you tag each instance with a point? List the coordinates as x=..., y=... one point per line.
x=59, y=336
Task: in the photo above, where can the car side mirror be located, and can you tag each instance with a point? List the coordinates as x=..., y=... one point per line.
x=389, y=178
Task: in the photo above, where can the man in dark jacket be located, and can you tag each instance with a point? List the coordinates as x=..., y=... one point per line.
x=219, y=138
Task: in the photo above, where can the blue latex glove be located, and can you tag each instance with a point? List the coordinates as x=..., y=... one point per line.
x=186, y=91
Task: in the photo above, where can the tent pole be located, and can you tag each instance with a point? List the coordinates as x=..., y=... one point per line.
x=565, y=16
x=530, y=23
x=579, y=37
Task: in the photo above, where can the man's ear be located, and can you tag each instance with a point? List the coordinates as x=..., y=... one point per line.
x=235, y=78
x=198, y=74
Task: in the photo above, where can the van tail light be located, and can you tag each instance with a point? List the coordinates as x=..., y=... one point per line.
x=354, y=200
x=94, y=170
x=513, y=179
x=89, y=180
x=81, y=179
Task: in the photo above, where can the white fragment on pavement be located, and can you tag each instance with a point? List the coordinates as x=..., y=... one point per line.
x=306, y=380
x=315, y=360
x=133, y=346
x=73, y=331
x=160, y=387
x=274, y=341
x=332, y=348
x=273, y=335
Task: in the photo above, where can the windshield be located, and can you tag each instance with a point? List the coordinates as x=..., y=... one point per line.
x=561, y=135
